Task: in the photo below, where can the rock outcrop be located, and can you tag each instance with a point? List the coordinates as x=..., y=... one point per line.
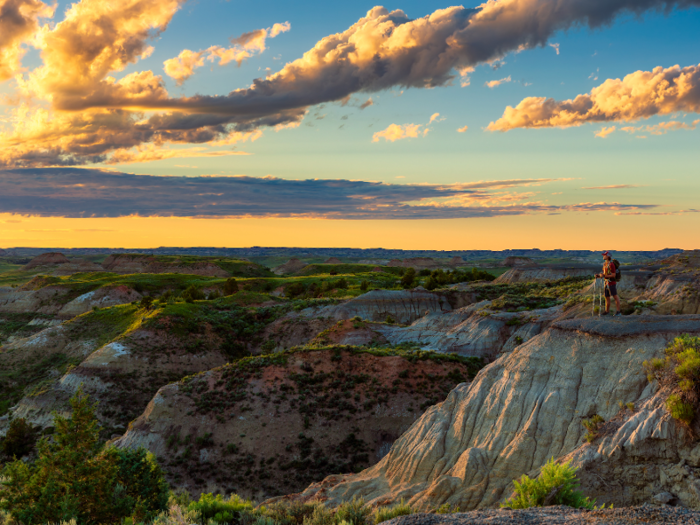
x=268, y=426
x=333, y=260
x=514, y=262
x=46, y=259
x=403, y=306
x=293, y=265
x=525, y=408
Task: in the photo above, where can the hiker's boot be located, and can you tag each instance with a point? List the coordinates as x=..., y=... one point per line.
x=618, y=314
x=604, y=313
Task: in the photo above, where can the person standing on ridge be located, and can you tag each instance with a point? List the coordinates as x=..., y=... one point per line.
x=610, y=276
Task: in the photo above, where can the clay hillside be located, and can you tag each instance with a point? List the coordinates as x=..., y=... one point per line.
x=333, y=381
x=268, y=426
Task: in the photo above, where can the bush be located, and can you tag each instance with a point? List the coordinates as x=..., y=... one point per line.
x=230, y=286
x=210, y=507
x=364, y=286
x=680, y=371
x=75, y=477
x=146, y=302
x=593, y=426
x=353, y=512
x=387, y=513
x=20, y=438
x=192, y=294
x=341, y=284
x=320, y=516
x=556, y=485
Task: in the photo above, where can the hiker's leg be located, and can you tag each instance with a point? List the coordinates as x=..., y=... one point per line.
x=607, y=304
x=617, y=303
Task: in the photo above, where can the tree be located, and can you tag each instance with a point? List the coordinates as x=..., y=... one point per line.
x=408, y=278
x=20, y=438
x=230, y=286
x=76, y=477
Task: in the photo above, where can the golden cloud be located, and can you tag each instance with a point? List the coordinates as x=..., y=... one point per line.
x=639, y=95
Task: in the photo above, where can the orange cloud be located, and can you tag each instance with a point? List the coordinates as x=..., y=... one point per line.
x=396, y=132
x=19, y=23
x=462, y=129
x=605, y=132
x=639, y=95
x=151, y=153
x=247, y=45
x=495, y=83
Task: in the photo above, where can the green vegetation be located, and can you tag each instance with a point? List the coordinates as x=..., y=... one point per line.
x=530, y=296
x=20, y=439
x=680, y=371
x=388, y=513
x=76, y=477
x=347, y=269
x=593, y=426
x=556, y=485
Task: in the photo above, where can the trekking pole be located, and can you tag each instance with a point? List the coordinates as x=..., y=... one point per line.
x=595, y=285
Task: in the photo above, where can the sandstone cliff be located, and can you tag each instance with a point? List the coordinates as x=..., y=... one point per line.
x=527, y=407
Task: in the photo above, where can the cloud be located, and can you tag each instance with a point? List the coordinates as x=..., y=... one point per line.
x=245, y=46
x=71, y=192
x=615, y=187
x=85, y=113
x=151, y=153
x=605, y=132
x=434, y=117
x=555, y=47
x=19, y=23
x=369, y=102
x=495, y=83
x=639, y=95
x=463, y=129
x=396, y=132
x=662, y=128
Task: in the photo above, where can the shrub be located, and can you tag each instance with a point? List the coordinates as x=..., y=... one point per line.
x=681, y=372
x=353, y=512
x=593, y=426
x=341, y=284
x=556, y=485
x=210, y=507
x=387, y=513
x=294, y=289
x=364, y=286
x=679, y=409
x=146, y=302
x=390, y=319
x=192, y=294
x=230, y=286
x=20, y=438
x=320, y=516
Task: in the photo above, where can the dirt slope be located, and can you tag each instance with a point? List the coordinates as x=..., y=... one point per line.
x=269, y=425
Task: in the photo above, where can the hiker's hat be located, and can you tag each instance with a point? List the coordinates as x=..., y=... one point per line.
x=606, y=253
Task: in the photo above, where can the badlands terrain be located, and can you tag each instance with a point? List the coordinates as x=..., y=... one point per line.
x=425, y=379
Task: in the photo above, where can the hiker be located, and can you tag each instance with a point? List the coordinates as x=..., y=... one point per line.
x=609, y=274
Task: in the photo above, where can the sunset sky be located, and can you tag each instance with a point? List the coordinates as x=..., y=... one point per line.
x=546, y=124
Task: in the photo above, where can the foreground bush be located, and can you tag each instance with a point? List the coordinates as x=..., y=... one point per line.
x=556, y=485
x=76, y=477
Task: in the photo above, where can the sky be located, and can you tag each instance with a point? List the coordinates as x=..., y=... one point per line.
x=419, y=125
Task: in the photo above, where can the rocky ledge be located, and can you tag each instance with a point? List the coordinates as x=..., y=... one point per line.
x=557, y=515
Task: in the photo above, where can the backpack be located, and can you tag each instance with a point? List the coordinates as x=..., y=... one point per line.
x=618, y=273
